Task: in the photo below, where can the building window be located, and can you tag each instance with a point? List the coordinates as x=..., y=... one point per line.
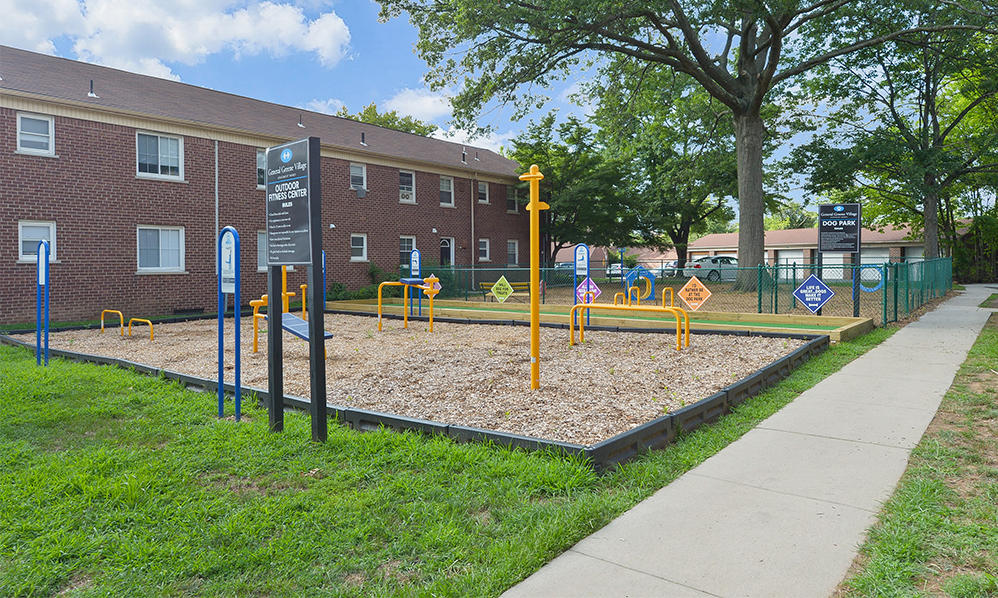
x=29, y=233
x=512, y=206
x=160, y=156
x=358, y=176
x=406, y=245
x=358, y=247
x=484, y=255
x=483, y=192
x=512, y=252
x=261, y=168
x=35, y=134
x=261, y=251
x=446, y=191
x=161, y=248
x=407, y=186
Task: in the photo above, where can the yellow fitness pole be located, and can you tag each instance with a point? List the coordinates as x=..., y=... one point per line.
x=534, y=207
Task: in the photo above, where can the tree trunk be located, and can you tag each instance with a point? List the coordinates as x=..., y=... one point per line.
x=930, y=211
x=749, y=131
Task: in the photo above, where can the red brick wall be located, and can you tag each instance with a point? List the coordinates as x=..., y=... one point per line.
x=90, y=190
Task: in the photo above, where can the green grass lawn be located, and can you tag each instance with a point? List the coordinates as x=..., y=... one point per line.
x=938, y=534
x=112, y=483
x=991, y=302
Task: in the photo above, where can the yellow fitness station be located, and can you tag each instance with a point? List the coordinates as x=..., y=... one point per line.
x=290, y=322
x=429, y=287
x=534, y=206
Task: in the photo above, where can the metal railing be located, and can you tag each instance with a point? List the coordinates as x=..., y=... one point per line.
x=887, y=292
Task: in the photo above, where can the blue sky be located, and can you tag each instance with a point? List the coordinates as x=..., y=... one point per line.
x=315, y=54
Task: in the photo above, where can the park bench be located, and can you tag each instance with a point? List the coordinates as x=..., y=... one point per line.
x=518, y=287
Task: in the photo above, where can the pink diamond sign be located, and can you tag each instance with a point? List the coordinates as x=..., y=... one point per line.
x=587, y=286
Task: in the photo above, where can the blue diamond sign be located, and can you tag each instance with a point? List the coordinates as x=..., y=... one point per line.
x=813, y=293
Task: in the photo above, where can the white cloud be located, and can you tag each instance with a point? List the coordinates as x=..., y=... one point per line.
x=145, y=35
x=419, y=103
x=330, y=106
x=492, y=141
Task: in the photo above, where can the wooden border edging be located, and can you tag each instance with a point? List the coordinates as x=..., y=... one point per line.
x=603, y=455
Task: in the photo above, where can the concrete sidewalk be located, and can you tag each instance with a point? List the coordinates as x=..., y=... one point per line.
x=782, y=511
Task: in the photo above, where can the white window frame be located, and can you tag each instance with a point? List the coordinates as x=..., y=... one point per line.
x=363, y=173
x=32, y=258
x=156, y=176
x=362, y=258
x=261, y=153
x=50, y=152
x=478, y=192
x=511, y=193
x=261, y=250
x=406, y=260
x=160, y=270
x=413, y=173
x=451, y=179
x=488, y=250
x=516, y=252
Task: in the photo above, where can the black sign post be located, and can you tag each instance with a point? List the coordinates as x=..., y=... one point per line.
x=294, y=237
x=840, y=230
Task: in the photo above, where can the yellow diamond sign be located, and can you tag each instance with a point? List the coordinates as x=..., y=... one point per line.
x=694, y=293
x=501, y=289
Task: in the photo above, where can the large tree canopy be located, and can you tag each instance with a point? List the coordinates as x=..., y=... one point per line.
x=917, y=124
x=583, y=187
x=739, y=51
x=678, y=146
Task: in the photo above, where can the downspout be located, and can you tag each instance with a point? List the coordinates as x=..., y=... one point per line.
x=474, y=200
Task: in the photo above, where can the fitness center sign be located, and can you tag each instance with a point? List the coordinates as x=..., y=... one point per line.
x=289, y=238
x=839, y=227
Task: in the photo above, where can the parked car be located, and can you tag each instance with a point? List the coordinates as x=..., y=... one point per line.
x=613, y=270
x=717, y=267
x=564, y=265
x=665, y=270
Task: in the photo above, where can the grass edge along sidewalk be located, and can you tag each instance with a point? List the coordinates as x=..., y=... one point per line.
x=121, y=484
x=938, y=533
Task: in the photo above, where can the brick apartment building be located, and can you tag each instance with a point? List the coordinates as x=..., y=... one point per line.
x=130, y=177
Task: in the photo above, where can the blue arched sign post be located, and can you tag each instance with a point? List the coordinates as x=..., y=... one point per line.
x=415, y=271
x=42, y=289
x=581, y=269
x=228, y=283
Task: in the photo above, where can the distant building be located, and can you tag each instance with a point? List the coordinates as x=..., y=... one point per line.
x=800, y=246
x=130, y=177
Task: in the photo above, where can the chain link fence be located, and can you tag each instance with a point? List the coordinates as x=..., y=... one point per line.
x=886, y=292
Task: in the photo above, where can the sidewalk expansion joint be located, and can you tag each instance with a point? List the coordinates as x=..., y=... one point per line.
x=880, y=444
x=782, y=493
x=642, y=572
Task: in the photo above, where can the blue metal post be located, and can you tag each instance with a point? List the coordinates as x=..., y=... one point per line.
x=221, y=327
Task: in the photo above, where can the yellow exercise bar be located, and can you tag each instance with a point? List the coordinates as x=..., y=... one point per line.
x=141, y=321
x=535, y=206
x=121, y=320
x=675, y=311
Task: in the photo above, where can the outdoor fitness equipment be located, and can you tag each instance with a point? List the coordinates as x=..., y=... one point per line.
x=121, y=322
x=681, y=324
x=290, y=322
x=427, y=285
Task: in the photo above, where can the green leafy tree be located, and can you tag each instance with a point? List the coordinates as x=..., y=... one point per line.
x=917, y=124
x=740, y=52
x=790, y=215
x=679, y=146
x=582, y=186
x=390, y=120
